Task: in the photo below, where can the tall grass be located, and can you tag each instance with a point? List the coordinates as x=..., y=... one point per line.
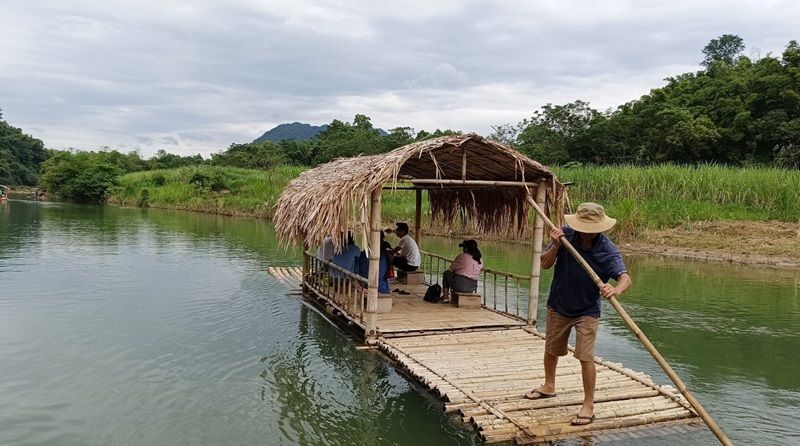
x=669, y=195
x=639, y=197
x=214, y=189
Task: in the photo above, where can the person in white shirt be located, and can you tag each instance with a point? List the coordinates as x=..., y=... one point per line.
x=406, y=256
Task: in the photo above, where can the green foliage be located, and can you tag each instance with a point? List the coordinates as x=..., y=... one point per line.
x=725, y=49
x=737, y=112
x=238, y=191
x=342, y=139
x=20, y=156
x=164, y=160
x=82, y=176
x=261, y=155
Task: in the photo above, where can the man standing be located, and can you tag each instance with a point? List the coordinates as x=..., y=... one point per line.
x=574, y=298
x=406, y=256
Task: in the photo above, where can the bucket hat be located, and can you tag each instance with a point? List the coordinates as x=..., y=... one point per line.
x=590, y=218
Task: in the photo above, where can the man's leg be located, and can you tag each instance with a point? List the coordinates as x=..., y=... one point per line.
x=585, y=335
x=556, y=336
x=589, y=375
x=550, y=364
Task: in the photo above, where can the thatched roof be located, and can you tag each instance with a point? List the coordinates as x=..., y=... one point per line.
x=334, y=198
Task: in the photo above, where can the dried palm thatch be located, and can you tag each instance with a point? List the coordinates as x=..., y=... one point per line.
x=334, y=198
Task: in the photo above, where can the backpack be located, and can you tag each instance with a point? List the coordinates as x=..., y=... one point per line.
x=433, y=293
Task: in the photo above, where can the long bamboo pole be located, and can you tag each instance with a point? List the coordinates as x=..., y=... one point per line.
x=723, y=439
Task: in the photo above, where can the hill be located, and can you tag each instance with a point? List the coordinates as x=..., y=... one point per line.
x=297, y=131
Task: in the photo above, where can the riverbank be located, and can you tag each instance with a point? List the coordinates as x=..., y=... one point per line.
x=707, y=212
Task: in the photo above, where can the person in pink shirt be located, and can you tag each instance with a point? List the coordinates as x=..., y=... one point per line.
x=462, y=277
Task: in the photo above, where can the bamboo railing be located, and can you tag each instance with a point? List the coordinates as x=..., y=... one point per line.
x=500, y=291
x=344, y=290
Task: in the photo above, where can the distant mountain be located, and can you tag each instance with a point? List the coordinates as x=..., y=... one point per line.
x=297, y=131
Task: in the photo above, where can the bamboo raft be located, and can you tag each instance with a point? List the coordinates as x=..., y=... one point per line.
x=481, y=376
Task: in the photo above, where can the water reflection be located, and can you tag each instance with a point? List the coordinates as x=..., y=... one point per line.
x=131, y=326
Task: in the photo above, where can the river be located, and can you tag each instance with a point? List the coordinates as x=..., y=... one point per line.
x=151, y=327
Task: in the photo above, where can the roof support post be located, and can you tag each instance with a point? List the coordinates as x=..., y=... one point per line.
x=306, y=267
x=418, y=217
x=371, y=316
x=536, y=257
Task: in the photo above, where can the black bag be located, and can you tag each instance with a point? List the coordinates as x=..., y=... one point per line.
x=433, y=294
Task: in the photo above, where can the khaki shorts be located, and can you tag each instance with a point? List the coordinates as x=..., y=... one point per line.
x=557, y=334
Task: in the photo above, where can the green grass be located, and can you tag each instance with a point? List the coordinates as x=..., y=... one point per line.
x=213, y=189
x=670, y=195
x=640, y=197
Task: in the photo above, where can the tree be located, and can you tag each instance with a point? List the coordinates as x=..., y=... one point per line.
x=81, y=176
x=548, y=135
x=20, y=156
x=724, y=48
x=257, y=155
x=791, y=55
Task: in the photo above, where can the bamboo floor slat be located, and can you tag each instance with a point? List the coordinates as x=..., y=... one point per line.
x=411, y=314
x=483, y=376
x=291, y=276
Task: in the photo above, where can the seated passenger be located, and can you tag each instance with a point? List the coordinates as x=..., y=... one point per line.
x=347, y=258
x=383, y=267
x=406, y=256
x=325, y=250
x=462, y=277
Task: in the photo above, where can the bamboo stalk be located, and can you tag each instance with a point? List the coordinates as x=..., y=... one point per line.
x=536, y=259
x=418, y=217
x=723, y=439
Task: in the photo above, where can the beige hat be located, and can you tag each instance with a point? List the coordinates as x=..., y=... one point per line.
x=590, y=218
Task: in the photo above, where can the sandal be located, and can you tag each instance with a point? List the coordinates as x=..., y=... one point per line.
x=581, y=420
x=537, y=394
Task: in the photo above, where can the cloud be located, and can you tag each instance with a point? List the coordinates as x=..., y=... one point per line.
x=199, y=75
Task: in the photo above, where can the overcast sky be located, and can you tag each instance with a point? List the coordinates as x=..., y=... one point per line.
x=195, y=76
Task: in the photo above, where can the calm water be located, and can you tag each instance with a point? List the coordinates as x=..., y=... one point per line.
x=146, y=327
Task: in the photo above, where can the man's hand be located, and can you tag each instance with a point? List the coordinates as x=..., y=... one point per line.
x=608, y=291
x=555, y=236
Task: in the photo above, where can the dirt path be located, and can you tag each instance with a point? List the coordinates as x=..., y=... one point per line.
x=749, y=242
x=769, y=243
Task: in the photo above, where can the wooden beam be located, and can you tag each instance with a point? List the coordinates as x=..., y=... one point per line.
x=536, y=258
x=418, y=217
x=475, y=183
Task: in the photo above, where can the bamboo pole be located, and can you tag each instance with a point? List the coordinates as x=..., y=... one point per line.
x=418, y=217
x=723, y=439
x=371, y=316
x=536, y=259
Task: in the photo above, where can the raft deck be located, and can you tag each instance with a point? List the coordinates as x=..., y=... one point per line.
x=481, y=363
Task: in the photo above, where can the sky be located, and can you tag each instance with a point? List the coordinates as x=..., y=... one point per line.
x=196, y=76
